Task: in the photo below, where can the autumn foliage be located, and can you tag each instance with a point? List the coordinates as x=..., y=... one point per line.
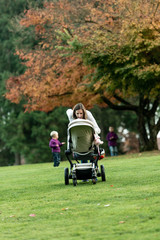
x=51, y=78
x=76, y=38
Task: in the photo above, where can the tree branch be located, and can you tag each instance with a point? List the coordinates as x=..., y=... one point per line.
x=60, y=95
x=69, y=31
x=146, y=103
x=121, y=100
x=119, y=107
x=154, y=107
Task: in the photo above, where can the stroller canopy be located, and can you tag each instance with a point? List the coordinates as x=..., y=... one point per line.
x=81, y=135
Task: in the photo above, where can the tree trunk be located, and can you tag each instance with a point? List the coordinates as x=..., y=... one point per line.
x=147, y=133
x=153, y=131
x=143, y=139
x=17, y=159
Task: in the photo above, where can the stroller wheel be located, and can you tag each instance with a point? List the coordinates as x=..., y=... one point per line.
x=103, y=173
x=98, y=173
x=66, y=176
x=75, y=182
x=94, y=180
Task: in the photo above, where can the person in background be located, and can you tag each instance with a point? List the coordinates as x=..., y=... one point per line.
x=55, y=145
x=112, y=141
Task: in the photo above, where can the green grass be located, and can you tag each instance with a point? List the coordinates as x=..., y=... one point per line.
x=131, y=193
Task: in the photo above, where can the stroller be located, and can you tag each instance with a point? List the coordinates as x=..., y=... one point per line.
x=81, y=147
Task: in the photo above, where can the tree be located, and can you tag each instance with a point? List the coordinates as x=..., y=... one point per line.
x=104, y=52
x=11, y=141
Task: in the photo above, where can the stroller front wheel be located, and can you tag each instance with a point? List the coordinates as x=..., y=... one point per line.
x=66, y=176
x=94, y=180
x=103, y=173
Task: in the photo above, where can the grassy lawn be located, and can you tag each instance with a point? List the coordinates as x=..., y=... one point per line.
x=35, y=204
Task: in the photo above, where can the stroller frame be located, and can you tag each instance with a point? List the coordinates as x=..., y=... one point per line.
x=87, y=170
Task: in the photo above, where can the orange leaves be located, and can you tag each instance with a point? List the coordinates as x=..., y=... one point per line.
x=13, y=84
x=31, y=18
x=55, y=75
x=52, y=79
x=49, y=81
x=39, y=29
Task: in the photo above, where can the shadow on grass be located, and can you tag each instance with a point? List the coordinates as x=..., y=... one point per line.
x=79, y=184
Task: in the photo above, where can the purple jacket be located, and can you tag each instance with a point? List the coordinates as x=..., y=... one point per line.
x=112, y=139
x=53, y=143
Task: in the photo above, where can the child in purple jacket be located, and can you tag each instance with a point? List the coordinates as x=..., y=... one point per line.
x=112, y=141
x=55, y=144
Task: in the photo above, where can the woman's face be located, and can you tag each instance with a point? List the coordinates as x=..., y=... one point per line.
x=79, y=113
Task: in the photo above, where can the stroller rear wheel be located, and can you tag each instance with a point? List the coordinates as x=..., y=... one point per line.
x=103, y=176
x=66, y=176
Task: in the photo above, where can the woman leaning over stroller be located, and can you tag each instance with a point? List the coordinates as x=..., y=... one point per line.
x=79, y=112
